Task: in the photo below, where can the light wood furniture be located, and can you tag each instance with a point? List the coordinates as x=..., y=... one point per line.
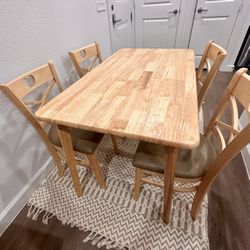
x=200, y=166
x=33, y=90
x=23, y=86
x=214, y=54
x=34, y=122
x=90, y=55
x=145, y=94
x=79, y=56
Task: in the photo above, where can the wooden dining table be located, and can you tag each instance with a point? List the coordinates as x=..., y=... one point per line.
x=144, y=94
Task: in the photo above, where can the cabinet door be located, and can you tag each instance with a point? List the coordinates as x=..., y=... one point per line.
x=121, y=22
x=214, y=20
x=156, y=23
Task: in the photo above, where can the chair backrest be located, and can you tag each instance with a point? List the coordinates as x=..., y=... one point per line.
x=34, y=88
x=15, y=92
x=236, y=95
x=90, y=52
x=214, y=54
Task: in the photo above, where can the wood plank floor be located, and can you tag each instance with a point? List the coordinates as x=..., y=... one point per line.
x=229, y=209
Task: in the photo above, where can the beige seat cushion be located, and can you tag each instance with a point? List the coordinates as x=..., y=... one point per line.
x=190, y=163
x=83, y=141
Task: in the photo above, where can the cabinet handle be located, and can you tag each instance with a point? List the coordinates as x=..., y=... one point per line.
x=200, y=10
x=175, y=11
x=114, y=20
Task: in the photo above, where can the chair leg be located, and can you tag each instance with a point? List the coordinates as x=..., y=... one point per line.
x=198, y=198
x=97, y=170
x=115, y=144
x=57, y=159
x=60, y=168
x=138, y=182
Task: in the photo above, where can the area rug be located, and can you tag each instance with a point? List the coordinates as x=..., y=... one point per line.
x=111, y=215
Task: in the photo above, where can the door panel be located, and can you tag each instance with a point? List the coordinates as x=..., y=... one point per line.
x=153, y=35
x=215, y=28
x=155, y=2
x=215, y=21
x=121, y=19
x=156, y=24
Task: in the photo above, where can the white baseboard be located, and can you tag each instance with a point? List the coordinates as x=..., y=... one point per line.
x=17, y=204
x=227, y=68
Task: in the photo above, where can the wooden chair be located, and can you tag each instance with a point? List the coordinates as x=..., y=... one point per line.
x=201, y=165
x=79, y=56
x=39, y=84
x=215, y=54
x=92, y=53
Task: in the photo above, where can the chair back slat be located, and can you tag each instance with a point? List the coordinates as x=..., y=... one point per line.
x=238, y=90
x=212, y=59
x=204, y=61
x=30, y=81
x=86, y=52
x=89, y=53
x=208, y=64
x=214, y=51
x=228, y=127
x=4, y=88
x=234, y=118
x=220, y=162
x=41, y=80
x=221, y=140
x=242, y=92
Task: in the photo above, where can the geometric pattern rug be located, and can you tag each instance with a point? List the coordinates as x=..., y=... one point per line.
x=111, y=216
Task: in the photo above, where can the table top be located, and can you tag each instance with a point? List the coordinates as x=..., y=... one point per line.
x=145, y=94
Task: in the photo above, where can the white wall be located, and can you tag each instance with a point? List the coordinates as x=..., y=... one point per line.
x=31, y=33
x=22, y=158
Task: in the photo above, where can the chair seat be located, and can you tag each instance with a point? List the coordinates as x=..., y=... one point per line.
x=83, y=141
x=190, y=163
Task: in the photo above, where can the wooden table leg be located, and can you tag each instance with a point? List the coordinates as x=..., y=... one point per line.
x=115, y=144
x=66, y=141
x=169, y=174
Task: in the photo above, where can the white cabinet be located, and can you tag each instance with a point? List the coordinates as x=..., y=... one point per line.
x=121, y=23
x=186, y=24
x=156, y=23
x=213, y=20
x=179, y=24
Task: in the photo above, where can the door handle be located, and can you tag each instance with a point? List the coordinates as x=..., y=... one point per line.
x=114, y=20
x=175, y=11
x=200, y=10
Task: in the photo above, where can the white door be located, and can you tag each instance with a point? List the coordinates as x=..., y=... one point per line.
x=121, y=23
x=214, y=20
x=156, y=23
